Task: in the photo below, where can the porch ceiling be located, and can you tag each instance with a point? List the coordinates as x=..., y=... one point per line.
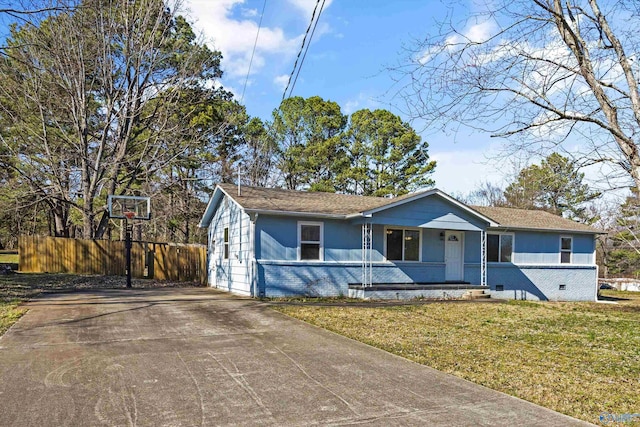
x=450, y=222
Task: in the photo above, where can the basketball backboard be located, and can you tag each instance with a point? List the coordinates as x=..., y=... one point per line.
x=129, y=207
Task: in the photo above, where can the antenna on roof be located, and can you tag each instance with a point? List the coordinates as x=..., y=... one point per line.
x=239, y=175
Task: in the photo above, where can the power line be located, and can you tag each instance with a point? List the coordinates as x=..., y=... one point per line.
x=295, y=65
x=264, y=5
x=307, y=48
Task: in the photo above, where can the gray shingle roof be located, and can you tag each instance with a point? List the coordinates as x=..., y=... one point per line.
x=531, y=219
x=279, y=200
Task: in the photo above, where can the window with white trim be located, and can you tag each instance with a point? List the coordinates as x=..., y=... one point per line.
x=226, y=243
x=310, y=241
x=500, y=247
x=403, y=244
x=566, y=247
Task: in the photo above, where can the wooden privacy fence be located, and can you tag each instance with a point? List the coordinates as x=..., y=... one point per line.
x=160, y=261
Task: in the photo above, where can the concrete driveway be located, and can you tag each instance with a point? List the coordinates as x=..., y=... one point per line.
x=189, y=357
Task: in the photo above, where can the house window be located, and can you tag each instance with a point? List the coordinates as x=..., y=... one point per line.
x=226, y=243
x=566, y=246
x=310, y=241
x=403, y=244
x=499, y=247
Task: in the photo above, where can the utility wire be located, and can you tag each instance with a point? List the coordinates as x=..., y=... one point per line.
x=307, y=48
x=264, y=5
x=295, y=65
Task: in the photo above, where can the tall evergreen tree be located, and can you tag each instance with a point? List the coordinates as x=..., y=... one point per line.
x=259, y=161
x=310, y=148
x=556, y=185
x=387, y=157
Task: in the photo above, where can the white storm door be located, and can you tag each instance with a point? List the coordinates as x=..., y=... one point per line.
x=453, y=256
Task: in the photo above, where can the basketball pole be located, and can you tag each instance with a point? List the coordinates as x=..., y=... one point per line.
x=127, y=246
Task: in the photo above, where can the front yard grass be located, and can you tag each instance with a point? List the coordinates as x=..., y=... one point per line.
x=581, y=359
x=10, y=312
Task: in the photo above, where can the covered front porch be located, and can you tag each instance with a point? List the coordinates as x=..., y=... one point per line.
x=436, y=242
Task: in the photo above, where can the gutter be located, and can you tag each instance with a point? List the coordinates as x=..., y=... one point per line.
x=294, y=213
x=547, y=230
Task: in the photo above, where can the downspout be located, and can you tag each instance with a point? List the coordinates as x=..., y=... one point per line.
x=595, y=246
x=483, y=258
x=597, y=276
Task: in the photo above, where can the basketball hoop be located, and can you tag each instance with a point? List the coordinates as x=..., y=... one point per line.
x=129, y=208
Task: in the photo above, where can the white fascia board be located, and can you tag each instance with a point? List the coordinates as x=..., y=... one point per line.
x=295, y=214
x=208, y=213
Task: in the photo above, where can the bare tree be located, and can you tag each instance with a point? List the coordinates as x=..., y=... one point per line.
x=89, y=99
x=486, y=193
x=550, y=75
x=24, y=10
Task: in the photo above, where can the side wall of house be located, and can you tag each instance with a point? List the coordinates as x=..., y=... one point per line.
x=233, y=273
x=537, y=273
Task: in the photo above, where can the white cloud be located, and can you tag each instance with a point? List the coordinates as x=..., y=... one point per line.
x=235, y=37
x=478, y=33
x=249, y=13
x=306, y=6
x=361, y=101
x=281, y=81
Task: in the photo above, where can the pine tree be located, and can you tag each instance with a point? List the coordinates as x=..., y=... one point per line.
x=556, y=185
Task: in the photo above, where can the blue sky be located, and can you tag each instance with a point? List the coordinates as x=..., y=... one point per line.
x=354, y=43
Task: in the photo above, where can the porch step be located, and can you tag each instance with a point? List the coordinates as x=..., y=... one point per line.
x=475, y=294
x=407, y=291
x=414, y=286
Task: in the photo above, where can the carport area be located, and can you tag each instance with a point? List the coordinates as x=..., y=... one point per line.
x=188, y=357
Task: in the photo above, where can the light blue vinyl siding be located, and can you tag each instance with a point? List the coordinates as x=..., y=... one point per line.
x=342, y=242
x=277, y=239
x=544, y=248
x=432, y=211
x=232, y=274
x=432, y=246
x=472, y=252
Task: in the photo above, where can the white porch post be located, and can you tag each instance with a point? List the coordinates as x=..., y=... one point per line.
x=483, y=258
x=367, y=254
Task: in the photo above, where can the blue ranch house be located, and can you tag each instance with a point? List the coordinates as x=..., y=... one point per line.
x=273, y=242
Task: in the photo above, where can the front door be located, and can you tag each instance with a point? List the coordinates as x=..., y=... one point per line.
x=453, y=256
